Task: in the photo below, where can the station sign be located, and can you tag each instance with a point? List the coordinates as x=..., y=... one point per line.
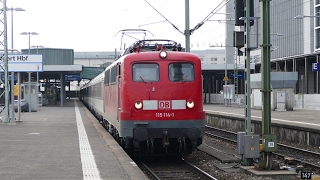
x=9, y=77
x=240, y=76
x=23, y=63
x=72, y=77
x=315, y=67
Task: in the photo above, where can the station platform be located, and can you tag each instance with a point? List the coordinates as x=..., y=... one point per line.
x=308, y=118
x=62, y=142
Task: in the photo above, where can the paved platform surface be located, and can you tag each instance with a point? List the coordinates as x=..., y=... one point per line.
x=62, y=143
x=298, y=117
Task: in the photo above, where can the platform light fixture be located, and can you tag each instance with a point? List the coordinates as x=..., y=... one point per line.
x=12, y=9
x=37, y=47
x=301, y=16
x=29, y=73
x=29, y=33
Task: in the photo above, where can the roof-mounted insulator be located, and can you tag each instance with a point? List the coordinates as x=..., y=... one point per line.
x=138, y=49
x=159, y=47
x=179, y=47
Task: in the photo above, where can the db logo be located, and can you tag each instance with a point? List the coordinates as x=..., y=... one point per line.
x=164, y=105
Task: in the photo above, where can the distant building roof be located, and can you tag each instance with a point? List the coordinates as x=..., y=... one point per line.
x=101, y=54
x=208, y=51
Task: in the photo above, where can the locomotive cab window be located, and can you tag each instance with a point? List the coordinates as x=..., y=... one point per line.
x=181, y=72
x=145, y=72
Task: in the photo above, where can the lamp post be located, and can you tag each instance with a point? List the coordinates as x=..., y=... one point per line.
x=303, y=16
x=12, y=73
x=13, y=9
x=29, y=73
x=37, y=47
x=29, y=33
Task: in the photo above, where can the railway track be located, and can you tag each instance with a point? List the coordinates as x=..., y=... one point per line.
x=173, y=168
x=288, y=154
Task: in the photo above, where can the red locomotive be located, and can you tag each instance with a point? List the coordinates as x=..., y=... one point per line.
x=150, y=99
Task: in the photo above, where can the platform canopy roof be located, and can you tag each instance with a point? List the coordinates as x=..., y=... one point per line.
x=90, y=72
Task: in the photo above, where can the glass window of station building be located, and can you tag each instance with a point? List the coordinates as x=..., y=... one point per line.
x=294, y=38
x=317, y=25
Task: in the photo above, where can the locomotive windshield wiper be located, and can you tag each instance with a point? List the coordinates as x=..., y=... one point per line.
x=142, y=78
x=185, y=77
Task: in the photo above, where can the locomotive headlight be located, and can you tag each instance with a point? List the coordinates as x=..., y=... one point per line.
x=138, y=105
x=190, y=104
x=163, y=54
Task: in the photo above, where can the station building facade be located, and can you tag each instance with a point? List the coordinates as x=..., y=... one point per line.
x=297, y=47
x=295, y=50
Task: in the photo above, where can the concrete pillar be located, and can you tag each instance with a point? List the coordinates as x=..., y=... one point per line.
x=305, y=76
x=285, y=66
x=277, y=66
x=62, y=89
x=317, y=76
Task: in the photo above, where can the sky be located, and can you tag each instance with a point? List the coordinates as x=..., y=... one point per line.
x=96, y=25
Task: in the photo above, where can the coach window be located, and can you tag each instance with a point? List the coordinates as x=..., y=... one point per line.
x=181, y=72
x=106, y=77
x=145, y=72
x=113, y=75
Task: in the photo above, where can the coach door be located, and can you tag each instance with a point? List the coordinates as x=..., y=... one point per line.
x=118, y=92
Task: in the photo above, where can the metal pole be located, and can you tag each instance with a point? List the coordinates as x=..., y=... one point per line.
x=265, y=48
x=12, y=96
x=37, y=85
x=29, y=90
x=19, y=96
x=29, y=41
x=302, y=90
x=62, y=90
x=225, y=83
x=248, y=86
x=187, y=31
x=29, y=79
x=7, y=119
x=12, y=29
x=267, y=137
x=317, y=77
x=12, y=73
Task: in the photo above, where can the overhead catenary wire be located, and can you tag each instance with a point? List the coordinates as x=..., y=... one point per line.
x=174, y=26
x=152, y=23
x=154, y=12
x=214, y=11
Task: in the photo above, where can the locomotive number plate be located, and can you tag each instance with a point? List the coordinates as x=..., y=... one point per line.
x=165, y=115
